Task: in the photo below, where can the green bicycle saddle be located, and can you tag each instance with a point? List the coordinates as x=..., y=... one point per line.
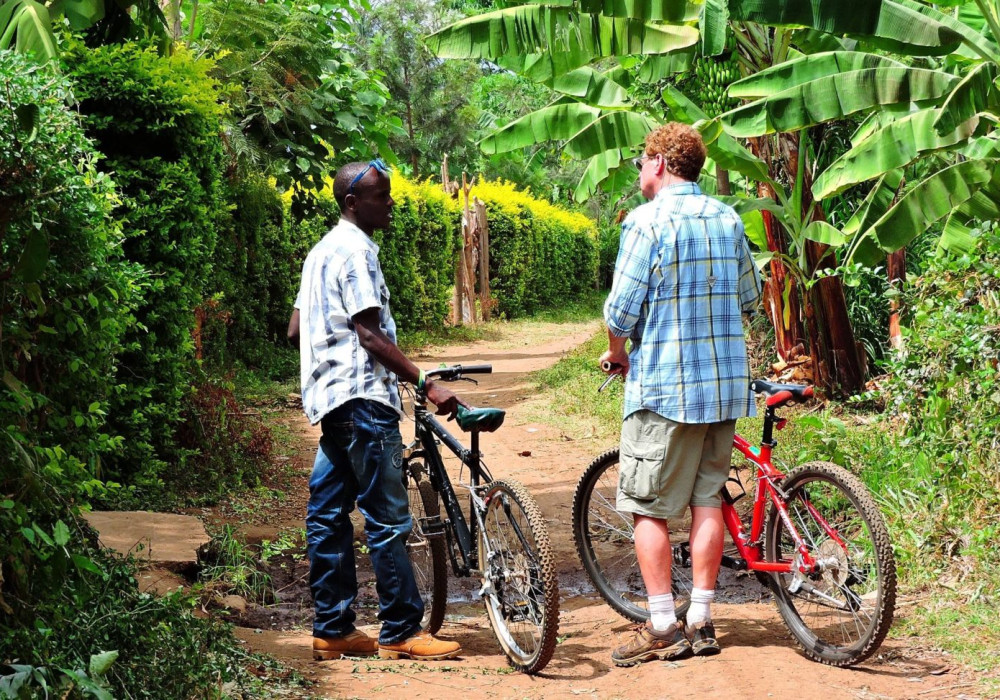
x=479, y=419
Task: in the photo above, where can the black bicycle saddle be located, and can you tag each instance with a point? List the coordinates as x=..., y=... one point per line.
x=484, y=420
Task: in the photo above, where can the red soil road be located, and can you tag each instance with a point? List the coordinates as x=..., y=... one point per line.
x=759, y=660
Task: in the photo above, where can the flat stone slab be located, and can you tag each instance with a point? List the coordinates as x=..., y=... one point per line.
x=164, y=539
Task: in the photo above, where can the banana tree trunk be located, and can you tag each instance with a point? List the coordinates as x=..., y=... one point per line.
x=841, y=361
x=781, y=294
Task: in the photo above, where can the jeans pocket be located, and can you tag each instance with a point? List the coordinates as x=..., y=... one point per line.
x=641, y=470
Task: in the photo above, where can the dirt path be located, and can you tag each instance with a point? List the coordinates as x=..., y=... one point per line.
x=759, y=658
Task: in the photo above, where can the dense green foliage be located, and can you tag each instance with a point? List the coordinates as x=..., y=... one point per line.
x=156, y=120
x=430, y=99
x=417, y=254
x=945, y=388
x=68, y=299
x=298, y=100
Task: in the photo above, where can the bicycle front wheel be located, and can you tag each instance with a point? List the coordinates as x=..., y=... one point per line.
x=426, y=546
x=605, y=542
x=841, y=614
x=520, y=588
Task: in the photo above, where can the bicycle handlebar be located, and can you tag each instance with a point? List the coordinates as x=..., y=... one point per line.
x=456, y=372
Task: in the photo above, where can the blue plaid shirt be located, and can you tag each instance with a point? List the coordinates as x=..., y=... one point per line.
x=683, y=277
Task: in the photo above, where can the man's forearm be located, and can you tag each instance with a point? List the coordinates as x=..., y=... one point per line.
x=388, y=354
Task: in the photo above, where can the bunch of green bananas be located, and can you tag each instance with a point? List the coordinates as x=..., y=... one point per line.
x=712, y=76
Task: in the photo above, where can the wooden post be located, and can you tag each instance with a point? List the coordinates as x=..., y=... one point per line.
x=469, y=271
x=484, y=260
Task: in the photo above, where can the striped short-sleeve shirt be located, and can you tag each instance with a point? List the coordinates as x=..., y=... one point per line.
x=341, y=277
x=683, y=277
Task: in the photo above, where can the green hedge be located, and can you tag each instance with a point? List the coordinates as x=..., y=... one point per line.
x=540, y=255
x=157, y=121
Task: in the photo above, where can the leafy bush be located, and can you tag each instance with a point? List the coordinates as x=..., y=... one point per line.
x=66, y=303
x=257, y=260
x=156, y=119
x=943, y=482
x=417, y=253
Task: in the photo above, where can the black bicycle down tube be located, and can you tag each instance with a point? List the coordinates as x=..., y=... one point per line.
x=447, y=491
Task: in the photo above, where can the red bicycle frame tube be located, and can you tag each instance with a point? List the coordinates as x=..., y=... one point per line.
x=749, y=544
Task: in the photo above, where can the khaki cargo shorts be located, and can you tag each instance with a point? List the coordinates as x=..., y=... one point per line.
x=666, y=466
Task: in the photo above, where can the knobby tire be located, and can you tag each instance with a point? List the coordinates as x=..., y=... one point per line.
x=521, y=589
x=606, y=545
x=862, y=580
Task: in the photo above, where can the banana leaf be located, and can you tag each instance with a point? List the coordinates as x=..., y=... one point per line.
x=657, y=10
x=598, y=170
x=975, y=93
x=805, y=70
x=834, y=97
x=893, y=146
x=591, y=87
x=545, y=67
x=27, y=29
x=894, y=22
x=929, y=201
x=974, y=38
x=658, y=67
x=619, y=129
x=726, y=151
x=875, y=204
x=554, y=123
x=533, y=29
x=714, y=25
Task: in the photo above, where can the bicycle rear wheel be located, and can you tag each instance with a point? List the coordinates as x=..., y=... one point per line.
x=605, y=542
x=427, y=548
x=842, y=614
x=520, y=588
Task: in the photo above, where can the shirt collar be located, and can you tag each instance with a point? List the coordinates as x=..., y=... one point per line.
x=678, y=189
x=346, y=227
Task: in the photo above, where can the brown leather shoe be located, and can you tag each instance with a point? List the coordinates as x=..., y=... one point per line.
x=422, y=646
x=649, y=644
x=357, y=643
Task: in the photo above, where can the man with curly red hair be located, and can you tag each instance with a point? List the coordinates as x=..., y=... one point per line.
x=683, y=278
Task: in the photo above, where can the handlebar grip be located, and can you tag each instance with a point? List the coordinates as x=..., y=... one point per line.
x=608, y=366
x=477, y=369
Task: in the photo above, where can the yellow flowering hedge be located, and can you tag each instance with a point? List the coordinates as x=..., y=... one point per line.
x=540, y=254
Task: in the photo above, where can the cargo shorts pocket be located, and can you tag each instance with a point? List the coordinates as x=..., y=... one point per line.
x=640, y=470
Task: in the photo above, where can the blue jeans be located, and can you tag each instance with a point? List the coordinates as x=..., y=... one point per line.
x=360, y=459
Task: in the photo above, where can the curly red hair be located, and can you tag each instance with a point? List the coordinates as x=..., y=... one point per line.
x=682, y=149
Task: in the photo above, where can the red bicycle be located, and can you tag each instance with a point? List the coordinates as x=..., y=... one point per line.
x=822, y=547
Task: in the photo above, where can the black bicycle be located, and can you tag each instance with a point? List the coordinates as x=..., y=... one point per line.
x=504, y=541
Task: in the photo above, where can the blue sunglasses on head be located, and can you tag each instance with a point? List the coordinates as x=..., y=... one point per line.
x=379, y=166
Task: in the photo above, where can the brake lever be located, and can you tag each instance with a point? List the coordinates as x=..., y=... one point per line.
x=468, y=379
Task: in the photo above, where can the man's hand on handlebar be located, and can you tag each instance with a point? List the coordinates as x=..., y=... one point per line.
x=614, y=362
x=447, y=403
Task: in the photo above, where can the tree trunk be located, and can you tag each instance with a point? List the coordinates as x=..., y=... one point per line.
x=722, y=182
x=842, y=363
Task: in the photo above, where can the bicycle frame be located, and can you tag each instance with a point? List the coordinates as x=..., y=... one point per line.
x=428, y=432
x=768, y=490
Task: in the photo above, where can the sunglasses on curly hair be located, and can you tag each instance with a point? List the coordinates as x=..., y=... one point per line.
x=379, y=166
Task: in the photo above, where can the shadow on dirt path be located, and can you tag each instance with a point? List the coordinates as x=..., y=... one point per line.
x=759, y=659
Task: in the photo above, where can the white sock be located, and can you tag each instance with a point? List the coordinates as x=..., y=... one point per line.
x=700, y=610
x=661, y=611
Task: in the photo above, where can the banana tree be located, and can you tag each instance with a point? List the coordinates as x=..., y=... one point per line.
x=946, y=108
